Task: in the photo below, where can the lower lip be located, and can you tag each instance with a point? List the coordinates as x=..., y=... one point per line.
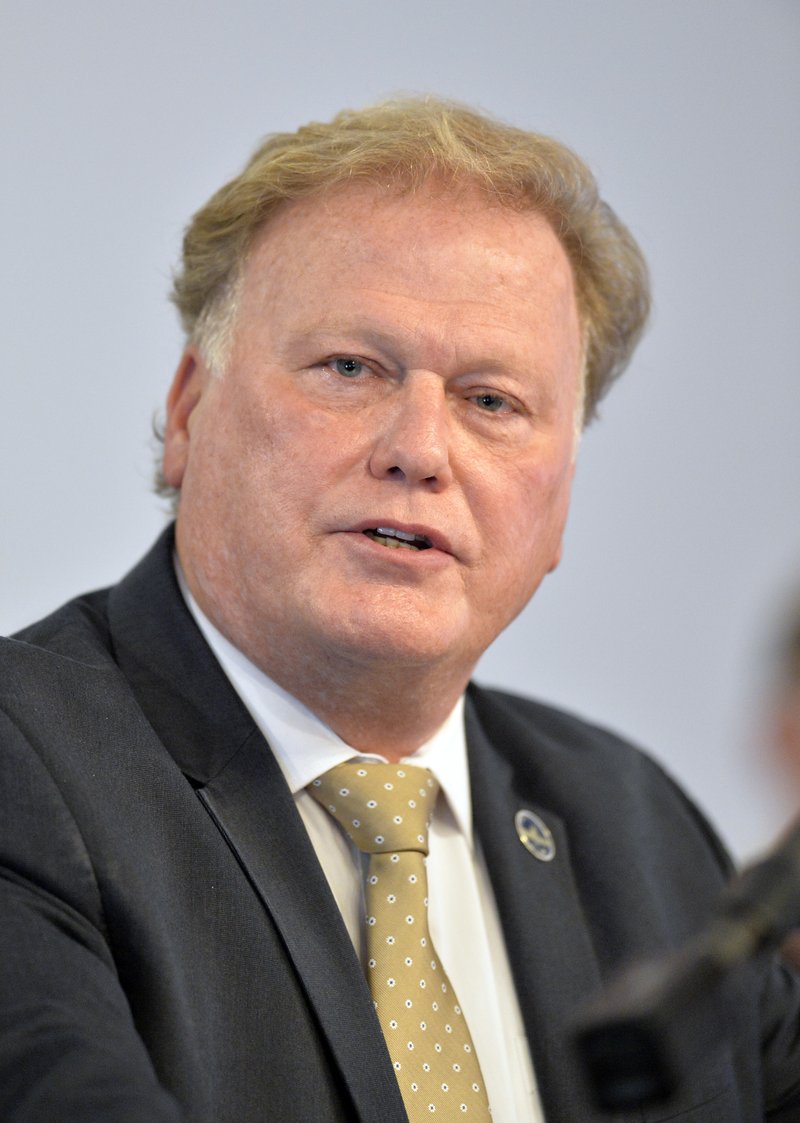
x=398, y=555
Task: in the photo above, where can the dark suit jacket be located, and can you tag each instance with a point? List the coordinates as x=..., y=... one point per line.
x=170, y=948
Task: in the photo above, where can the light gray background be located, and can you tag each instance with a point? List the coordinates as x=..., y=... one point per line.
x=119, y=119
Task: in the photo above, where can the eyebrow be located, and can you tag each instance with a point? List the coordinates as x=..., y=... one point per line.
x=331, y=334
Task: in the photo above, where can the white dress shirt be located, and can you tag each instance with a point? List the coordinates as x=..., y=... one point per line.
x=463, y=916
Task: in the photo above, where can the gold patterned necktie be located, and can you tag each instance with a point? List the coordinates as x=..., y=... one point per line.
x=386, y=810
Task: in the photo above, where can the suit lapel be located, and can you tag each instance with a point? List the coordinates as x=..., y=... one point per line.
x=252, y=806
x=551, y=955
x=202, y=722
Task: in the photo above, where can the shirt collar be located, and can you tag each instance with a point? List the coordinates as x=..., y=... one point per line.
x=305, y=747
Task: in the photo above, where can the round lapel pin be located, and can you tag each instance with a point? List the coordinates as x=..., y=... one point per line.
x=535, y=836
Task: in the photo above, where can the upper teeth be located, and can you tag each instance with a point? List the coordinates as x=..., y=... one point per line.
x=387, y=532
x=388, y=536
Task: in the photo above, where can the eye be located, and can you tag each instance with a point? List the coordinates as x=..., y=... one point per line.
x=348, y=367
x=491, y=403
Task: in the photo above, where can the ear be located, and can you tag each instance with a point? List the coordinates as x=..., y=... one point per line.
x=185, y=392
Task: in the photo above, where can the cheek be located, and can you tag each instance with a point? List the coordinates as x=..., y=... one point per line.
x=273, y=462
x=532, y=509
x=285, y=433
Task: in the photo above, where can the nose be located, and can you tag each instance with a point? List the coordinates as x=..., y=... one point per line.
x=413, y=442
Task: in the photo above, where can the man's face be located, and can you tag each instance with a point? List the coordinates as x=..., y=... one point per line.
x=382, y=474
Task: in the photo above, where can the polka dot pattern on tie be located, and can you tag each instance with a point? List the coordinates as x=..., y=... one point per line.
x=386, y=810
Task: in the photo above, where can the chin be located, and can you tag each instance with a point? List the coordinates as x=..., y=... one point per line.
x=398, y=638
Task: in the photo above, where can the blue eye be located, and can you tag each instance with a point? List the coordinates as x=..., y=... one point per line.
x=490, y=402
x=348, y=368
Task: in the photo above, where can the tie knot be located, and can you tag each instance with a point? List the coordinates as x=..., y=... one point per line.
x=383, y=807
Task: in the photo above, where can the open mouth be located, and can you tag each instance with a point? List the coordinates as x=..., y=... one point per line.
x=398, y=539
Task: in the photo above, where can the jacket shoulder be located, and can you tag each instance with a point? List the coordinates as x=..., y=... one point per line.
x=77, y=631
x=581, y=766
x=575, y=739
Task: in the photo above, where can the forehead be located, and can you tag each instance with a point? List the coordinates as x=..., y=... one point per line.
x=425, y=229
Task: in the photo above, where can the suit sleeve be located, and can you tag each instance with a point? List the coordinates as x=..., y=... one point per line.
x=68, y=1045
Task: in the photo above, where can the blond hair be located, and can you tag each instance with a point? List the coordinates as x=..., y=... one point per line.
x=401, y=144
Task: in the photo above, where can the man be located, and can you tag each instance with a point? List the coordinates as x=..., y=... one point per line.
x=396, y=325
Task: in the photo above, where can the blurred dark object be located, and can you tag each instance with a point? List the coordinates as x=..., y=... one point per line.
x=639, y=1040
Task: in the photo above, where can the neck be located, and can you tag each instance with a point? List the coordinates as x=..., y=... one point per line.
x=389, y=710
